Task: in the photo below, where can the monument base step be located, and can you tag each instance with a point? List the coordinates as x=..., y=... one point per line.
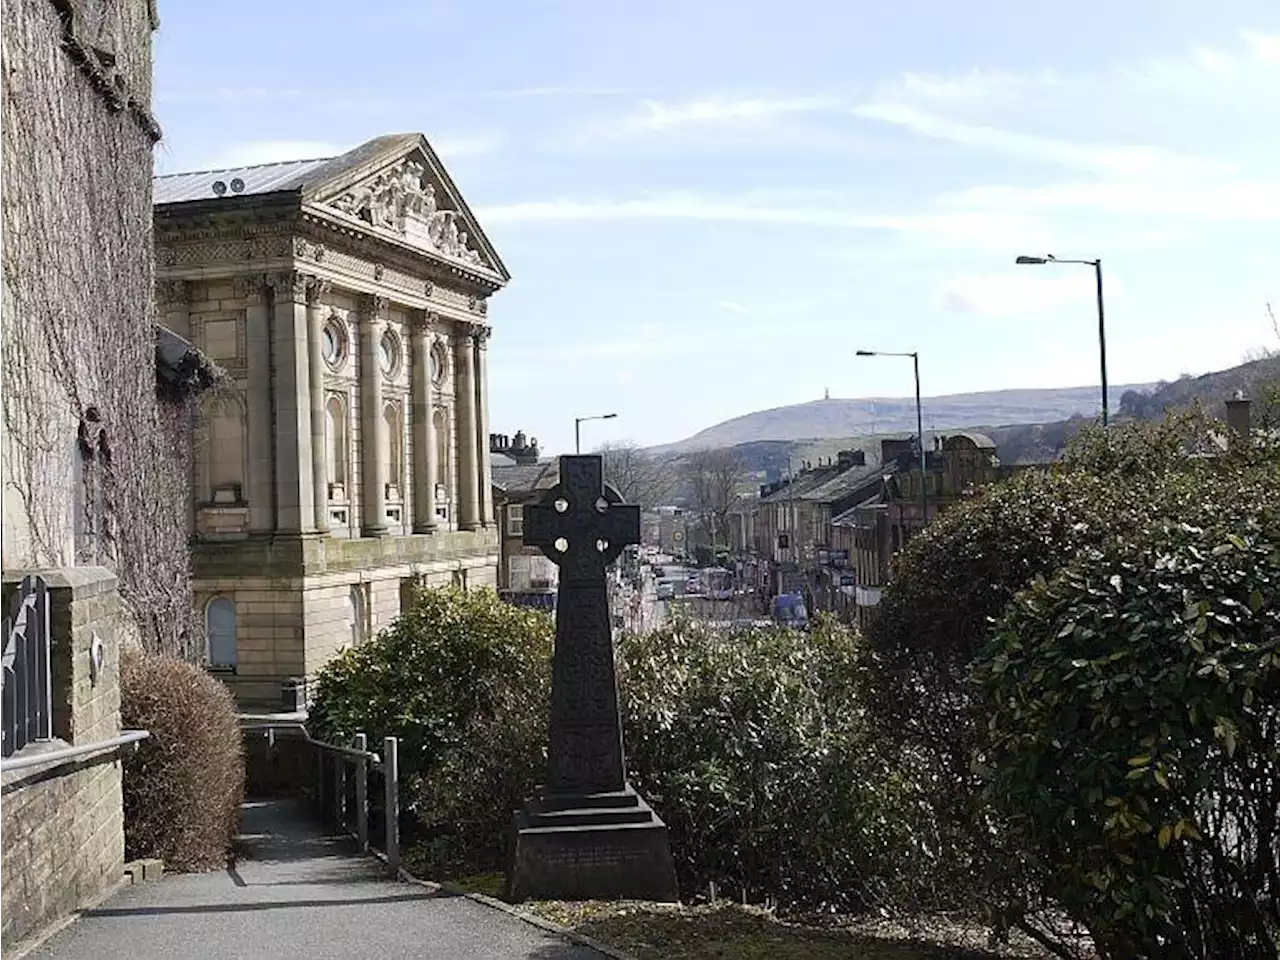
x=591, y=853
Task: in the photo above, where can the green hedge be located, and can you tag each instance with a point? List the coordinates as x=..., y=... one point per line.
x=1133, y=705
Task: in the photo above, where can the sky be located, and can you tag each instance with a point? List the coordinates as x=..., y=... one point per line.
x=708, y=206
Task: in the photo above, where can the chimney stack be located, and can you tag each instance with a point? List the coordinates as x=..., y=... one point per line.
x=1238, y=410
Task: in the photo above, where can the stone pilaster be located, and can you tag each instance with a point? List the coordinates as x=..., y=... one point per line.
x=465, y=403
x=252, y=292
x=291, y=393
x=482, y=425
x=373, y=428
x=175, y=301
x=424, y=440
x=316, y=289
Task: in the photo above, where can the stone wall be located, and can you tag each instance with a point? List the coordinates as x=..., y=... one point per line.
x=64, y=826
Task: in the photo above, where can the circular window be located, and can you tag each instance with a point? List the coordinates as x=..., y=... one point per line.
x=333, y=343
x=437, y=365
x=389, y=353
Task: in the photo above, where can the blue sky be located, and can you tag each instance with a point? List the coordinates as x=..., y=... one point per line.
x=708, y=206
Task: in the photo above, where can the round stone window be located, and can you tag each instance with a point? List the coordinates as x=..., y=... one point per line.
x=333, y=343
x=389, y=354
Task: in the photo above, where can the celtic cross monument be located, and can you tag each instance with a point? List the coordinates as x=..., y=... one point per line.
x=586, y=834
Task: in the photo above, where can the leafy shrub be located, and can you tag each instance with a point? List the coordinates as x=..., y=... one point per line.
x=463, y=679
x=751, y=746
x=1134, y=705
x=955, y=578
x=183, y=787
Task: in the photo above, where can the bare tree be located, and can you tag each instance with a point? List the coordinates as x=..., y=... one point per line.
x=713, y=479
x=640, y=477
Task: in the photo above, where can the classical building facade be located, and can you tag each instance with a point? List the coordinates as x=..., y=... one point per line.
x=347, y=300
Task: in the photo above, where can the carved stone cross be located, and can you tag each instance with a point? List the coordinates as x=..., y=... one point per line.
x=586, y=834
x=582, y=526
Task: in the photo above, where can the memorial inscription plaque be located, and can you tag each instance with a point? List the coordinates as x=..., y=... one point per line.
x=586, y=834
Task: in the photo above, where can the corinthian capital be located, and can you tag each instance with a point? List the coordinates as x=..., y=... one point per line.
x=371, y=305
x=173, y=291
x=289, y=285
x=423, y=321
x=252, y=287
x=317, y=288
x=481, y=334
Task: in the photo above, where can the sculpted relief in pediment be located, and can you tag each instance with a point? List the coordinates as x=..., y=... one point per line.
x=403, y=199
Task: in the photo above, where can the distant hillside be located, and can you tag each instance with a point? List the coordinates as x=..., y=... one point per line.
x=1211, y=389
x=824, y=419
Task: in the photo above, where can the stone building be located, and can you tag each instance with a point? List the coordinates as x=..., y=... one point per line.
x=93, y=443
x=525, y=576
x=347, y=300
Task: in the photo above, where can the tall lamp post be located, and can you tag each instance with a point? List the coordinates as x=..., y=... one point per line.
x=1102, y=325
x=915, y=363
x=577, y=428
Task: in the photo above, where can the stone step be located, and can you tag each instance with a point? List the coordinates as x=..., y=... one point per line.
x=588, y=817
x=616, y=799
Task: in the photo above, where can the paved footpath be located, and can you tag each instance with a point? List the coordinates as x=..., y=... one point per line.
x=295, y=893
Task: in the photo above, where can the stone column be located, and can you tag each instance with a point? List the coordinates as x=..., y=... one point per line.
x=291, y=391
x=424, y=435
x=252, y=291
x=465, y=402
x=482, y=425
x=373, y=428
x=315, y=354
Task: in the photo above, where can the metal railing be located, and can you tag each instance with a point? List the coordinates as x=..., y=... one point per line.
x=62, y=755
x=363, y=762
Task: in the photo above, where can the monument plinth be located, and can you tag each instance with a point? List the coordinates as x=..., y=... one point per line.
x=586, y=834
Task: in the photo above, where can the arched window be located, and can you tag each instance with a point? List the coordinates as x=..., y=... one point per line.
x=442, y=448
x=220, y=625
x=355, y=614
x=393, y=452
x=224, y=450
x=335, y=446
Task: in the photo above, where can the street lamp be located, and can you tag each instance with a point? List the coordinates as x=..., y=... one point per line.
x=577, y=428
x=915, y=362
x=1102, y=326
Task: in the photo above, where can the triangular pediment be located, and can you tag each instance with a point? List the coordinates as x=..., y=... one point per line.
x=398, y=185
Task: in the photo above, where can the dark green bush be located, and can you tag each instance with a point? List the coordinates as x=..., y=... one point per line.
x=463, y=679
x=752, y=746
x=955, y=579
x=1134, y=724
x=184, y=785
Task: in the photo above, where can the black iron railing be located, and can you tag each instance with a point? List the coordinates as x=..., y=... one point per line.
x=27, y=687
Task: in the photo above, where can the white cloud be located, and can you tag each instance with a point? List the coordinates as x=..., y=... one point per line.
x=968, y=227
x=1207, y=201
x=733, y=306
x=659, y=117
x=1246, y=69
x=976, y=88
x=1114, y=160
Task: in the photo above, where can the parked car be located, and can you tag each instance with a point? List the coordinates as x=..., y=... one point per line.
x=789, y=611
x=666, y=590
